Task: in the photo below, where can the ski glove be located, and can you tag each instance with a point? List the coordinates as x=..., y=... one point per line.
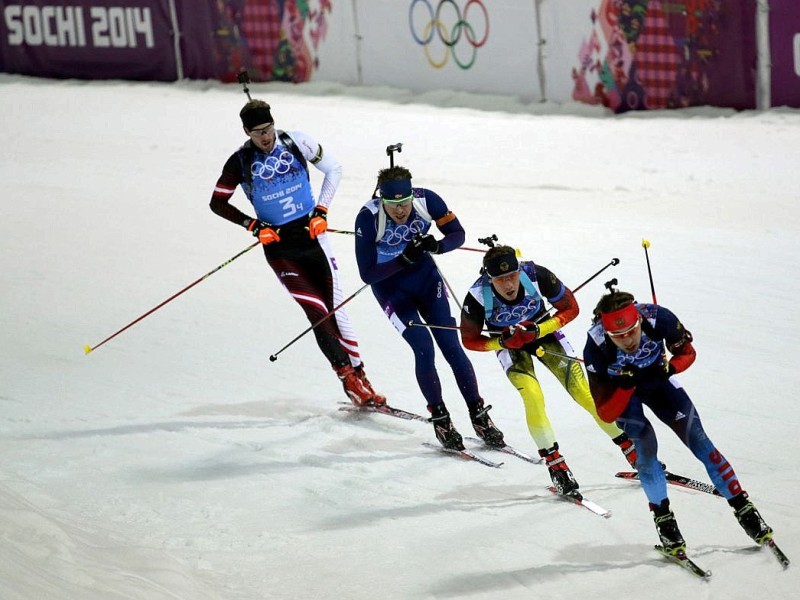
x=318, y=223
x=431, y=244
x=633, y=376
x=515, y=337
x=413, y=250
x=264, y=232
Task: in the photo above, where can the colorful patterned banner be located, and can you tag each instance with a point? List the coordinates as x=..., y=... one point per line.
x=651, y=54
x=278, y=40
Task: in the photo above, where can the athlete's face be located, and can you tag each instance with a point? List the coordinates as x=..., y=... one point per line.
x=628, y=340
x=398, y=211
x=507, y=285
x=263, y=136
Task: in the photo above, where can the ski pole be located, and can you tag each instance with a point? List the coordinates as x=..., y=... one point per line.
x=413, y=323
x=345, y=232
x=614, y=262
x=87, y=349
x=274, y=357
x=646, y=245
x=540, y=352
x=447, y=285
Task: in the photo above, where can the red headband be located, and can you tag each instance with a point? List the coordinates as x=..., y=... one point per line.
x=620, y=319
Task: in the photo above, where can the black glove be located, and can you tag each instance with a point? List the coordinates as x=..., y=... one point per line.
x=627, y=378
x=413, y=250
x=633, y=376
x=431, y=244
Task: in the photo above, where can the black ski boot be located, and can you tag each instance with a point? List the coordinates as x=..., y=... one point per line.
x=750, y=519
x=628, y=448
x=667, y=528
x=563, y=479
x=444, y=430
x=484, y=427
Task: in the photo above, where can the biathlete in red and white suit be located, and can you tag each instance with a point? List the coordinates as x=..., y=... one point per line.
x=271, y=168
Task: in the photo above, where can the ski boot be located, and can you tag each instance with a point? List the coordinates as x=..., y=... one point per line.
x=667, y=528
x=361, y=374
x=444, y=430
x=628, y=448
x=484, y=426
x=563, y=479
x=750, y=519
x=354, y=387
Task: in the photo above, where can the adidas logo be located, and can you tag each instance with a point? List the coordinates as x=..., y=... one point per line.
x=288, y=274
x=679, y=415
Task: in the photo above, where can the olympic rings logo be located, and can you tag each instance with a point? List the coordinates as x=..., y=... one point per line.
x=403, y=233
x=272, y=166
x=449, y=35
x=645, y=356
x=505, y=315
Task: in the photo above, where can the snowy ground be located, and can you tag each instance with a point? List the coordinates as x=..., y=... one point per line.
x=176, y=461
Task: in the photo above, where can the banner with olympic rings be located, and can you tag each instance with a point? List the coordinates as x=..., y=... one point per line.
x=467, y=45
x=446, y=25
x=621, y=54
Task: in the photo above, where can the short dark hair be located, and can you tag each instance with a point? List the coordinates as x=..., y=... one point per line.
x=251, y=104
x=255, y=112
x=495, y=251
x=613, y=301
x=391, y=173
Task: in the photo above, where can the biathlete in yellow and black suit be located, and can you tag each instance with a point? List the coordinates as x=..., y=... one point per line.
x=509, y=298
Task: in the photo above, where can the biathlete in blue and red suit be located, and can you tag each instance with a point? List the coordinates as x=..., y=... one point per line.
x=628, y=369
x=272, y=170
x=393, y=250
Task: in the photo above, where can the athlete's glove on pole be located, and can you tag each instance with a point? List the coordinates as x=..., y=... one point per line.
x=413, y=250
x=431, y=244
x=264, y=232
x=318, y=223
x=516, y=336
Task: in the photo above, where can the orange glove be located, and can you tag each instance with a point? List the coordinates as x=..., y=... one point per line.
x=264, y=232
x=318, y=223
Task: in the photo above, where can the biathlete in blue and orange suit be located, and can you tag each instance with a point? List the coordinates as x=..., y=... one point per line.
x=272, y=169
x=628, y=369
x=393, y=250
x=509, y=298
